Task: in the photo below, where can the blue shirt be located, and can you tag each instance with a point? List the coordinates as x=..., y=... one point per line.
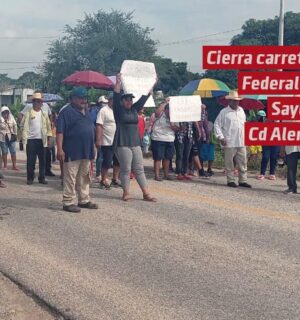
x=93, y=112
x=79, y=132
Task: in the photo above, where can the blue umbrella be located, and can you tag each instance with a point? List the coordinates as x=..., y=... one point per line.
x=51, y=97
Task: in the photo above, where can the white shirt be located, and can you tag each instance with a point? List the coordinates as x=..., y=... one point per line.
x=35, y=126
x=291, y=149
x=106, y=119
x=161, y=130
x=229, y=125
x=45, y=108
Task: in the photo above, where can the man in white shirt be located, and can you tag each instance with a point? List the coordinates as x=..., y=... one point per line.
x=105, y=134
x=36, y=136
x=229, y=129
x=47, y=110
x=292, y=157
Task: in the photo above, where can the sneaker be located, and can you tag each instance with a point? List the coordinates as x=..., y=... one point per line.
x=29, y=182
x=289, y=191
x=43, y=181
x=116, y=183
x=72, y=208
x=245, y=185
x=232, y=185
x=104, y=185
x=201, y=173
x=210, y=173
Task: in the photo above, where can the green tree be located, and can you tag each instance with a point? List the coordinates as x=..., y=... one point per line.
x=30, y=80
x=101, y=41
x=172, y=75
x=5, y=81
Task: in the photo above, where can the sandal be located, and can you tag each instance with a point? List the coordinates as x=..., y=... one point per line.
x=148, y=198
x=159, y=179
x=272, y=177
x=169, y=178
x=261, y=177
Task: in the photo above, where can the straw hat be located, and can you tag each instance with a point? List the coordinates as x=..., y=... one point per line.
x=37, y=96
x=233, y=95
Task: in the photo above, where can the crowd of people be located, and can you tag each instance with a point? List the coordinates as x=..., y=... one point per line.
x=114, y=132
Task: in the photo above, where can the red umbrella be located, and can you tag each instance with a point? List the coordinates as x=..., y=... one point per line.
x=246, y=103
x=89, y=79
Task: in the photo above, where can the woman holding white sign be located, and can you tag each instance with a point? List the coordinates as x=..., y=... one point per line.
x=127, y=140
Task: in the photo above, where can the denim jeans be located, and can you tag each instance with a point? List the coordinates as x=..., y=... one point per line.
x=99, y=161
x=269, y=153
x=183, y=151
x=292, y=163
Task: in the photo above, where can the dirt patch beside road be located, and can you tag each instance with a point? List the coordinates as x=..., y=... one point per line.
x=16, y=305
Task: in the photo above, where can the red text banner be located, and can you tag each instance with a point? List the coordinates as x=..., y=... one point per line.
x=272, y=134
x=284, y=108
x=251, y=57
x=287, y=82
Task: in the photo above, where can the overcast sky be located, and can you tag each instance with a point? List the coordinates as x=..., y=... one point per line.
x=172, y=21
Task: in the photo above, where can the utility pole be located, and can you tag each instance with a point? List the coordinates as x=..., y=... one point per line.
x=281, y=24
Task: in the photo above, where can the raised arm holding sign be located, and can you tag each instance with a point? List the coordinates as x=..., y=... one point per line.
x=138, y=78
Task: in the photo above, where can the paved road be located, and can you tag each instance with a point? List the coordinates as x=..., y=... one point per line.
x=203, y=252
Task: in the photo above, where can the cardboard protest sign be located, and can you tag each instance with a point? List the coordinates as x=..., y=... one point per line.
x=138, y=78
x=185, y=108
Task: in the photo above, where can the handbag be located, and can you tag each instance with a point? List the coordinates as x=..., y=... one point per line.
x=13, y=136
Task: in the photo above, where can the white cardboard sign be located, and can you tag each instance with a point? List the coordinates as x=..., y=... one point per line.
x=185, y=108
x=138, y=78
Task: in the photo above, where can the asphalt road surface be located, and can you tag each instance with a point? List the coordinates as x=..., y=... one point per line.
x=204, y=251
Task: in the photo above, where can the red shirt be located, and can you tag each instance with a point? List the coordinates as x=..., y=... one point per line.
x=141, y=126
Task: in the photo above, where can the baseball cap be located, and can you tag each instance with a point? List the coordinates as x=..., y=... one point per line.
x=102, y=99
x=79, y=92
x=127, y=95
x=261, y=113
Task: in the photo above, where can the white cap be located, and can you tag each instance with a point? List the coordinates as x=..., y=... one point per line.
x=102, y=99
